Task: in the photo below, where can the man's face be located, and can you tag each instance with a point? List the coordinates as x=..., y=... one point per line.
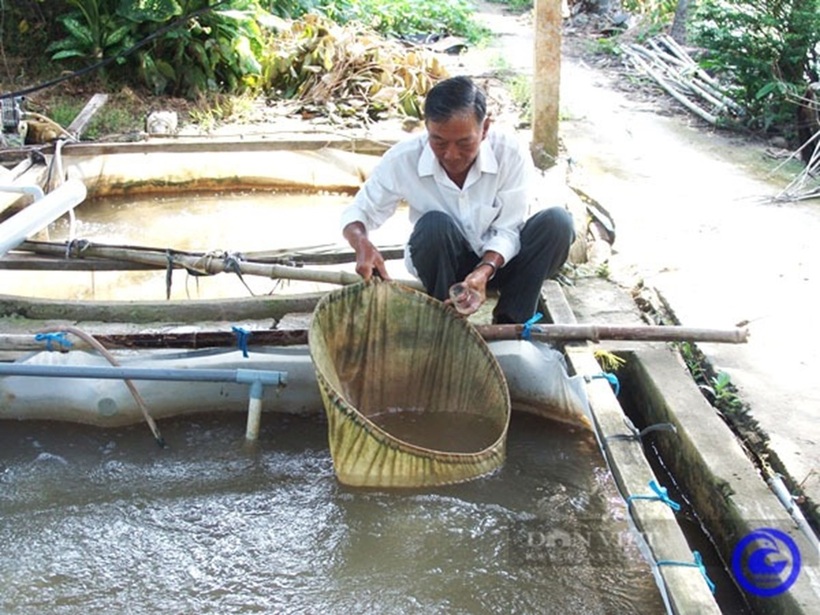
x=455, y=142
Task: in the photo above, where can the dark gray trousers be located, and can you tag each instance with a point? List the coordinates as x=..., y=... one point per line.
x=443, y=257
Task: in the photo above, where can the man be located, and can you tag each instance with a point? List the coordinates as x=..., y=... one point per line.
x=467, y=190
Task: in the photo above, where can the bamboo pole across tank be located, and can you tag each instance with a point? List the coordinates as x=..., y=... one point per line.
x=296, y=337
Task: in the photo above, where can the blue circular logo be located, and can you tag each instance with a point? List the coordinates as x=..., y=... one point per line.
x=766, y=562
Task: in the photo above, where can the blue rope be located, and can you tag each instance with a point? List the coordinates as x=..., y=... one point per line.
x=698, y=563
x=527, y=330
x=242, y=336
x=612, y=378
x=660, y=494
x=59, y=338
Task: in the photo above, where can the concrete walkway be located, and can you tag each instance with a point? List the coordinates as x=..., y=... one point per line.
x=694, y=220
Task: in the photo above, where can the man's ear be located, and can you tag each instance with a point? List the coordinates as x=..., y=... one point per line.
x=486, y=127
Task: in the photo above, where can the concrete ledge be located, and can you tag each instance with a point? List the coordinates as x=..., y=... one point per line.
x=705, y=457
x=684, y=586
x=729, y=494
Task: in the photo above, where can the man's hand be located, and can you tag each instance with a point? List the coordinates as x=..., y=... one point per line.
x=476, y=282
x=368, y=258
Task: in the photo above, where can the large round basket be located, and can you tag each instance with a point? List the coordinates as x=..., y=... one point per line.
x=413, y=395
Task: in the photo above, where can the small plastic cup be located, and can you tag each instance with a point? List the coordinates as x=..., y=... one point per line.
x=465, y=299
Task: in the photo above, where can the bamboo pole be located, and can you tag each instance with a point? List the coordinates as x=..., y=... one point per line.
x=181, y=311
x=596, y=332
x=203, y=263
x=97, y=256
x=294, y=337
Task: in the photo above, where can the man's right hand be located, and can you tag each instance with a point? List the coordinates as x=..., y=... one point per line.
x=368, y=258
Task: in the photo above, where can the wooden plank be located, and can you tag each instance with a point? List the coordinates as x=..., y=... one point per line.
x=80, y=122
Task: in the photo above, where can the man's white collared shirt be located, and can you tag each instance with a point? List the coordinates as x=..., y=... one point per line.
x=489, y=209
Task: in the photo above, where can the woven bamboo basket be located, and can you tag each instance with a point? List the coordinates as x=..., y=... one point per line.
x=381, y=351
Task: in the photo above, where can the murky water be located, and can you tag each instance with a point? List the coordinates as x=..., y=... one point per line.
x=235, y=222
x=454, y=432
x=102, y=521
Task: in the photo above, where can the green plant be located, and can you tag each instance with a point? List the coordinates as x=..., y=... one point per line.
x=716, y=387
x=604, y=45
x=406, y=18
x=215, y=49
x=179, y=48
x=767, y=48
x=723, y=393
x=520, y=87
x=515, y=6
x=95, y=31
x=653, y=12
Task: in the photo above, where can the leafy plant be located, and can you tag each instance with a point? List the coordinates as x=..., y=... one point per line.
x=520, y=88
x=95, y=31
x=516, y=6
x=406, y=18
x=216, y=50
x=180, y=48
x=766, y=47
x=723, y=393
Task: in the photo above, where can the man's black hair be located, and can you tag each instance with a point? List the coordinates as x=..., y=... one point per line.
x=452, y=97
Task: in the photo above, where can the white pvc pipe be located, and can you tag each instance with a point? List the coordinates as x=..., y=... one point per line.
x=40, y=214
x=33, y=190
x=254, y=411
x=782, y=493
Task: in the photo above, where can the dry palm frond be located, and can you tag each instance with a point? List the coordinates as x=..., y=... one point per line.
x=349, y=70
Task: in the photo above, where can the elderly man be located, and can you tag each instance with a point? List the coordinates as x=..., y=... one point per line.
x=467, y=188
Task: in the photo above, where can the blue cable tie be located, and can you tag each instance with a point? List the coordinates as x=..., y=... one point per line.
x=613, y=380
x=660, y=494
x=698, y=563
x=59, y=338
x=527, y=330
x=242, y=336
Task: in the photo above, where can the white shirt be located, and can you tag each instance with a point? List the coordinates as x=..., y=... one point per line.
x=489, y=210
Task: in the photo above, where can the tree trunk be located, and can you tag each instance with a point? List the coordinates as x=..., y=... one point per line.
x=678, y=31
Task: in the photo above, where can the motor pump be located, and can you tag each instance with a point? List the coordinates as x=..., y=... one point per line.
x=12, y=114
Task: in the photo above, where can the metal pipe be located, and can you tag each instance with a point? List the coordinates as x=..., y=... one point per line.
x=40, y=214
x=241, y=376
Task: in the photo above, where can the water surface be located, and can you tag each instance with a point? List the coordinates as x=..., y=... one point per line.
x=103, y=521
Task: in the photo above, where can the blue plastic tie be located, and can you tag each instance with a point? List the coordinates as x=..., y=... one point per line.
x=60, y=338
x=698, y=563
x=612, y=378
x=242, y=336
x=527, y=330
x=660, y=494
